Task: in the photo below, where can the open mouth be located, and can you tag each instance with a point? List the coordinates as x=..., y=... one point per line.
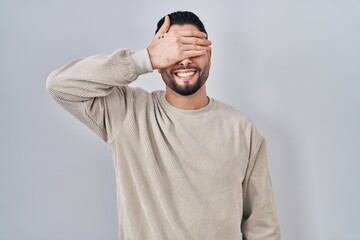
x=185, y=74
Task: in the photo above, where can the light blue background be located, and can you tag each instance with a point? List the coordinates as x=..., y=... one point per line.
x=292, y=66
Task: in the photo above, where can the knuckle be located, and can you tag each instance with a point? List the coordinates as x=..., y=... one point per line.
x=177, y=39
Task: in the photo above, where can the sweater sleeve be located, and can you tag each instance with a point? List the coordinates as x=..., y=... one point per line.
x=259, y=213
x=89, y=87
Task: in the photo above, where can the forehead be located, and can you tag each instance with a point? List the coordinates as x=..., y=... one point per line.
x=177, y=27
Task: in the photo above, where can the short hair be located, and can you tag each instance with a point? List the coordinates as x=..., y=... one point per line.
x=181, y=18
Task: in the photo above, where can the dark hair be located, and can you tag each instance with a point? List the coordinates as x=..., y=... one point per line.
x=181, y=18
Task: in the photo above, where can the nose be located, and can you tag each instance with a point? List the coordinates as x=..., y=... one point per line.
x=185, y=62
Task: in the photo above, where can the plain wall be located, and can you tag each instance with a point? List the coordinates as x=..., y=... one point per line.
x=292, y=66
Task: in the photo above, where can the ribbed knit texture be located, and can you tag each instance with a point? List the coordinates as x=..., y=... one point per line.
x=180, y=174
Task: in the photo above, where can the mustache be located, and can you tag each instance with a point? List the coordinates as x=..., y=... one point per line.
x=184, y=68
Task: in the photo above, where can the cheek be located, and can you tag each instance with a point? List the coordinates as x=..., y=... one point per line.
x=202, y=61
x=164, y=70
x=208, y=56
x=165, y=75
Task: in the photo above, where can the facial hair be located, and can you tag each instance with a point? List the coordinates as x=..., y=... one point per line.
x=187, y=89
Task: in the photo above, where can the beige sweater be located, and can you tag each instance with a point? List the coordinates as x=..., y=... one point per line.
x=180, y=174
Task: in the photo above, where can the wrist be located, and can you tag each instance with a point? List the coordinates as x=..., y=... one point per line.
x=142, y=62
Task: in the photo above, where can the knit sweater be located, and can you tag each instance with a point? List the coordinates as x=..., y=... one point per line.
x=180, y=174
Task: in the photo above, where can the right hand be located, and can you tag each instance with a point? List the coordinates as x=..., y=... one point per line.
x=168, y=48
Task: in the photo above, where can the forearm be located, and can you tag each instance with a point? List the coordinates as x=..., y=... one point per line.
x=95, y=76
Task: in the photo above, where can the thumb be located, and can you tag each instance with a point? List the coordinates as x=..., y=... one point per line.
x=165, y=27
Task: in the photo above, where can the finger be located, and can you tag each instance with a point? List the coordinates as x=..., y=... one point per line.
x=194, y=53
x=189, y=47
x=196, y=41
x=192, y=33
x=165, y=27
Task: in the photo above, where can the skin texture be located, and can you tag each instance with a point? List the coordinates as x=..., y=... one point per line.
x=182, y=55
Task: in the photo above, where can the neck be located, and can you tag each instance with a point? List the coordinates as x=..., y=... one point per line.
x=195, y=101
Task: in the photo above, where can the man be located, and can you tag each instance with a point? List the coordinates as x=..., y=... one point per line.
x=187, y=166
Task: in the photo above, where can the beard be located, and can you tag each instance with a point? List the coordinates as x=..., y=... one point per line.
x=187, y=89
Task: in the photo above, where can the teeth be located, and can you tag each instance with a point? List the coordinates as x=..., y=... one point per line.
x=185, y=74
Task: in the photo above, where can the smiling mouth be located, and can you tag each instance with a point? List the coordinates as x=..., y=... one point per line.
x=185, y=74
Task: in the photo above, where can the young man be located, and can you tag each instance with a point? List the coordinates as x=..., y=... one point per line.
x=187, y=166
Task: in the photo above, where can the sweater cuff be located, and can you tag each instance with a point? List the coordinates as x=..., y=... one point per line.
x=141, y=61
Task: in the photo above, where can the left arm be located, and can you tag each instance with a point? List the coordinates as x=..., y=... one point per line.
x=259, y=213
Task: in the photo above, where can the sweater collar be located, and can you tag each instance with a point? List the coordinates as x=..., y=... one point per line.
x=189, y=113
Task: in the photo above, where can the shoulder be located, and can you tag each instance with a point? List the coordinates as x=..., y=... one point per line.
x=230, y=113
x=236, y=119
